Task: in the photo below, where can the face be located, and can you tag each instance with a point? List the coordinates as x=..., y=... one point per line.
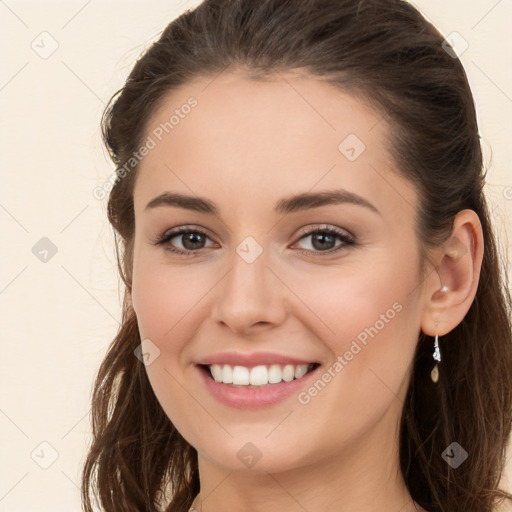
x=289, y=247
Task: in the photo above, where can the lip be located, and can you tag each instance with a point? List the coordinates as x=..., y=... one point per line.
x=251, y=360
x=254, y=398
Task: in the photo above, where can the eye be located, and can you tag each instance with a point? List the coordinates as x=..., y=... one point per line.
x=187, y=240
x=327, y=239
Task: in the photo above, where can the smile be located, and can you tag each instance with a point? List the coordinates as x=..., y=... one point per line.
x=258, y=376
x=255, y=387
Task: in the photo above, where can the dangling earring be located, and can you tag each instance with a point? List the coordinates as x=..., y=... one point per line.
x=434, y=374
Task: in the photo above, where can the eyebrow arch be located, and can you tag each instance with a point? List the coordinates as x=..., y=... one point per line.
x=291, y=204
x=316, y=199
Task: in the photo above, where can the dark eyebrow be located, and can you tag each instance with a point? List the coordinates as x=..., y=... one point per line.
x=295, y=203
x=316, y=199
x=197, y=204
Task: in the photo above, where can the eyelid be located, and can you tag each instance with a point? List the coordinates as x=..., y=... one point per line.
x=308, y=230
x=178, y=230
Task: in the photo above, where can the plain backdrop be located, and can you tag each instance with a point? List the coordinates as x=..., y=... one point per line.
x=59, y=291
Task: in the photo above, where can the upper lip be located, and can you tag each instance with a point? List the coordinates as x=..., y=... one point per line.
x=251, y=359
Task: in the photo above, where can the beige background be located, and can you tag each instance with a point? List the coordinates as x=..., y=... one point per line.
x=58, y=317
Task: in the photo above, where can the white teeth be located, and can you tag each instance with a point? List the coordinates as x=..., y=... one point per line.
x=300, y=371
x=240, y=376
x=288, y=373
x=275, y=375
x=227, y=374
x=258, y=375
x=216, y=370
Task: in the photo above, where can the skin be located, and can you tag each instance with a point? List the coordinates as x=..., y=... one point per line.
x=245, y=146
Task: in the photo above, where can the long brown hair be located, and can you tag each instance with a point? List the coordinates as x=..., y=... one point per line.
x=387, y=54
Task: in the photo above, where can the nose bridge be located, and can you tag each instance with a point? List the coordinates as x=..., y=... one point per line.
x=249, y=293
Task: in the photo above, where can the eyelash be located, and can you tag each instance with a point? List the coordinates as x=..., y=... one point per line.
x=166, y=237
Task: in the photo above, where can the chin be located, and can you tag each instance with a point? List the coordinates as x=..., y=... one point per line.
x=257, y=456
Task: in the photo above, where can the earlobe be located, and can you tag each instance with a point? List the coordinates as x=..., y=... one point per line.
x=452, y=288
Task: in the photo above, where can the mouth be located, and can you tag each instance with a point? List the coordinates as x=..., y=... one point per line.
x=256, y=377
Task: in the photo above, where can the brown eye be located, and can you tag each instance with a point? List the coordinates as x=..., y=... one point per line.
x=192, y=240
x=322, y=241
x=184, y=241
x=327, y=240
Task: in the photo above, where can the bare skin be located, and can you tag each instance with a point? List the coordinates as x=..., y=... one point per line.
x=244, y=147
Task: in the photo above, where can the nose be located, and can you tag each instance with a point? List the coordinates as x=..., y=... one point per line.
x=250, y=298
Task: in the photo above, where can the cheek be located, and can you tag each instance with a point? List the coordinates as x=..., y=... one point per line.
x=371, y=354
x=165, y=298
x=352, y=302
x=167, y=303
x=369, y=320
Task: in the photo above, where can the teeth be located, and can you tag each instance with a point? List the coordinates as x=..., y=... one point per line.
x=217, y=373
x=300, y=371
x=288, y=373
x=241, y=375
x=258, y=375
x=227, y=374
x=275, y=375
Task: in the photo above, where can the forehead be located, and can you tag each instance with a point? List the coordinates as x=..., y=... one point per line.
x=288, y=133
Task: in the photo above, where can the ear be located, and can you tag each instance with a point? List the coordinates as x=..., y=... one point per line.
x=450, y=290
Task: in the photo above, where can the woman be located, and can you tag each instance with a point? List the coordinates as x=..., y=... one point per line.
x=314, y=317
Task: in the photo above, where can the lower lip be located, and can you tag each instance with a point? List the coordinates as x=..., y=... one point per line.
x=252, y=398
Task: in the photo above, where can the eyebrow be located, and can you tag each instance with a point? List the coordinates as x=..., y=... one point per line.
x=300, y=202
